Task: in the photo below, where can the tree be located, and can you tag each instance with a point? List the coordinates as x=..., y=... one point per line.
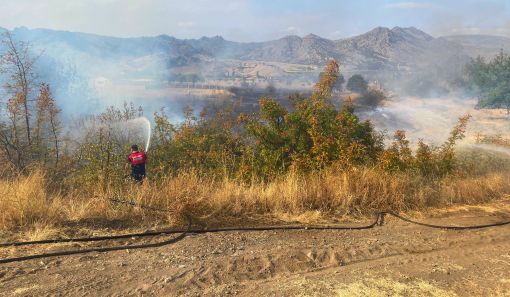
x=270, y=90
x=17, y=63
x=357, y=84
x=492, y=81
x=47, y=126
x=311, y=136
x=340, y=80
x=372, y=98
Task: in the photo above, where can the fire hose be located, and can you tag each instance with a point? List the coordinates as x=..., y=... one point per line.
x=378, y=221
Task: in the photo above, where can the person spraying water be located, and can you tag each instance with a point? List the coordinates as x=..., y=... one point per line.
x=137, y=159
x=137, y=129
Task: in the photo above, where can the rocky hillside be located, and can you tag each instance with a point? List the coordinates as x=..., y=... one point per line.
x=481, y=45
x=380, y=49
x=384, y=48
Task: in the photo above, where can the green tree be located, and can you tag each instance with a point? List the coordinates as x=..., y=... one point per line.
x=357, y=83
x=492, y=81
x=372, y=98
x=311, y=136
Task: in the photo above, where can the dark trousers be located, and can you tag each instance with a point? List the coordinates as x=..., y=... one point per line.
x=138, y=172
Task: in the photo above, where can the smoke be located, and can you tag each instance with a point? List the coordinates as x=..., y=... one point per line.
x=135, y=131
x=122, y=133
x=432, y=119
x=88, y=73
x=144, y=124
x=490, y=148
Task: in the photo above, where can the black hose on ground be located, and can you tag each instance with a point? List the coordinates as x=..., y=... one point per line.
x=195, y=231
x=445, y=226
x=100, y=250
x=379, y=220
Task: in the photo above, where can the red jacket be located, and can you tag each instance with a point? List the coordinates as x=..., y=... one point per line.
x=137, y=158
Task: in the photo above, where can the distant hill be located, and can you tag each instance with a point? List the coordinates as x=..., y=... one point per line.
x=397, y=47
x=481, y=45
x=380, y=49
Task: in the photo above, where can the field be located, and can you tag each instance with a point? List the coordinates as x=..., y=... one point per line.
x=384, y=261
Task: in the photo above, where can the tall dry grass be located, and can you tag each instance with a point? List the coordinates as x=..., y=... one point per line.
x=27, y=203
x=355, y=192
x=24, y=202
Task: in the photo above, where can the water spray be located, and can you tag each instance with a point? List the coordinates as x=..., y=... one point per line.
x=149, y=133
x=133, y=131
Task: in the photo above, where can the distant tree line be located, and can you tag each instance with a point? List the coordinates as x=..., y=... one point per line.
x=186, y=77
x=368, y=97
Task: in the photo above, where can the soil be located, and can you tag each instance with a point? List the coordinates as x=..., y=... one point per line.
x=397, y=259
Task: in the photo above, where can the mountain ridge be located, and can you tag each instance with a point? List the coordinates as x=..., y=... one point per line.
x=379, y=47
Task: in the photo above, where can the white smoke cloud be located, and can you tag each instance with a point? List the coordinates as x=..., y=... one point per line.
x=432, y=119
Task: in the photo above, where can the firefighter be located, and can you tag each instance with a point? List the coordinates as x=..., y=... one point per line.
x=137, y=160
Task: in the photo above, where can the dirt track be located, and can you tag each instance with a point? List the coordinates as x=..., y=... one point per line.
x=397, y=259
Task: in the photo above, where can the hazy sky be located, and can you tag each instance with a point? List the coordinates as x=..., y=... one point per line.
x=256, y=20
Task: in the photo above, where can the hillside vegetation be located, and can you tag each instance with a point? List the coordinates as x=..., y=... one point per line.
x=306, y=162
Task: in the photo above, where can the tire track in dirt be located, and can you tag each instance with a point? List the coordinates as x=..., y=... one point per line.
x=237, y=262
x=262, y=267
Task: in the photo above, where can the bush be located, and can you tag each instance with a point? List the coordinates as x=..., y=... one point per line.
x=357, y=83
x=371, y=99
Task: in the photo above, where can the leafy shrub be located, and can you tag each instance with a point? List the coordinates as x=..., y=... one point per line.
x=357, y=83
x=371, y=99
x=310, y=136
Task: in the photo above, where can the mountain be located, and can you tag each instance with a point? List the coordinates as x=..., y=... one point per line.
x=310, y=49
x=391, y=48
x=104, y=47
x=80, y=65
x=381, y=48
x=481, y=45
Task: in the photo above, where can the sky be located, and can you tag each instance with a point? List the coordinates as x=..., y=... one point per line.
x=257, y=20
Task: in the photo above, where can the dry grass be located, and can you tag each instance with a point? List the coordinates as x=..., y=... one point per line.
x=25, y=202
x=355, y=193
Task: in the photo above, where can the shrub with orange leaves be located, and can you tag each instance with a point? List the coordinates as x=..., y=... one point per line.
x=313, y=135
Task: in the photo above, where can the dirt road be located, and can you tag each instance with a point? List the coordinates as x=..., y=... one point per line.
x=397, y=259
